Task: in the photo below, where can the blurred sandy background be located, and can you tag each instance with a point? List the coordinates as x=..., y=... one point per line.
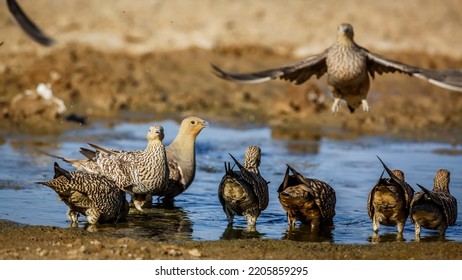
x=304, y=26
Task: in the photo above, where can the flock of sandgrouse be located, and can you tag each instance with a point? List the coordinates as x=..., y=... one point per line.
x=97, y=189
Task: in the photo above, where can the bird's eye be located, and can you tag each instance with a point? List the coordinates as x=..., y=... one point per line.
x=193, y=122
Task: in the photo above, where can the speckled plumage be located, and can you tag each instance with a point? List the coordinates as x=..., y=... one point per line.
x=436, y=209
x=310, y=201
x=388, y=202
x=244, y=192
x=92, y=195
x=348, y=67
x=137, y=172
x=181, y=158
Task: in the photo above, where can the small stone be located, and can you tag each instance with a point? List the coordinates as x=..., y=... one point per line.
x=195, y=253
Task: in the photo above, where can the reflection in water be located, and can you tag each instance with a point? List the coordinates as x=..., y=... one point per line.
x=386, y=237
x=305, y=234
x=299, y=139
x=431, y=238
x=158, y=223
x=240, y=233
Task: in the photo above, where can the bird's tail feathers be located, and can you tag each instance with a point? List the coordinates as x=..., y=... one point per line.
x=61, y=172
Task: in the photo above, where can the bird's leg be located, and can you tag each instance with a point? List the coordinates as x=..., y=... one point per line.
x=315, y=225
x=400, y=237
x=251, y=221
x=251, y=227
x=400, y=227
x=291, y=220
x=417, y=231
x=73, y=216
x=335, y=105
x=375, y=238
x=442, y=229
x=138, y=205
x=230, y=217
x=92, y=216
x=148, y=200
x=365, y=105
x=375, y=224
x=139, y=200
x=92, y=228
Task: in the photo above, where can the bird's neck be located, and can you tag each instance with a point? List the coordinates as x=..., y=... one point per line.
x=153, y=145
x=183, y=147
x=344, y=41
x=252, y=168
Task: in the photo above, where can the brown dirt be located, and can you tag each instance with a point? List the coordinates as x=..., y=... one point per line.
x=39, y=242
x=125, y=59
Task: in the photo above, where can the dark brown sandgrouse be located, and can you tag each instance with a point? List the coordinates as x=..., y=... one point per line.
x=435, y=209
x=90, y=194
x=388, y=202
x=244, y=192
x=310, y=201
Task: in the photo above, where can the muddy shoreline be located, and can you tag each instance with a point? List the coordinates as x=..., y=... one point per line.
x=175, y=84
x=21, y=242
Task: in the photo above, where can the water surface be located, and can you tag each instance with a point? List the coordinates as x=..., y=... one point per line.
x=349, y=166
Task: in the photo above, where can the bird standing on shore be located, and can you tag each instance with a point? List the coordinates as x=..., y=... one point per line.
x=388, y=202
x=244, y=192
x=348, y=67
x=435, y=209
x=310, y=201
x=92, y=195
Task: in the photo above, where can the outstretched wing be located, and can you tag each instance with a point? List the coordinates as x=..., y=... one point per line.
x=448, y=79
x=27, y=25
x=298, y=72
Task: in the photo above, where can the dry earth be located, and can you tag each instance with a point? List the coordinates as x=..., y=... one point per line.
x=115, y=58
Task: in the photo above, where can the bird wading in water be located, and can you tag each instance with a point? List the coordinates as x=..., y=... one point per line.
x=388, y=202
x=138, y=172
x=348, y=67
x=244, y=192
x=92, y=195
x=181, y=159
x=310, y=201
x=435, y=209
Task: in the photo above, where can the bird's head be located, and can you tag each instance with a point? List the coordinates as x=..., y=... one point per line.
x=441, y=181
x=192, y=126
x=345, y=32
x=155, y=132
x=252, y=157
